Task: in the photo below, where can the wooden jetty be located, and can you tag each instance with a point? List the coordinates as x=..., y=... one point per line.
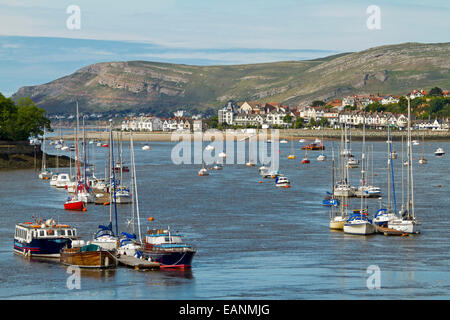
x=390, y=232
x=136, y=263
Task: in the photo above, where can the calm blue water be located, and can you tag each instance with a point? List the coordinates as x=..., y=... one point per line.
x=254, y=241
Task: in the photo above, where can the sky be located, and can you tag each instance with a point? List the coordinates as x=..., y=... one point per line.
x=41, y=40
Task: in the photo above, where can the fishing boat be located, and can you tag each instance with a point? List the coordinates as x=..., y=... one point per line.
x=282, y=182
x=168, y=249
x=42, y=238
x=74, y=204
x=314, y=146
x=439, y=152
x=88, y=256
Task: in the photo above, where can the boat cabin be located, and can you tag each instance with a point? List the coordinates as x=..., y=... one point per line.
x=161, y=236
x=26, y=232
x=42, y=240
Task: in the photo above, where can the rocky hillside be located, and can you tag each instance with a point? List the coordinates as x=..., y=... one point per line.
x=158, y=87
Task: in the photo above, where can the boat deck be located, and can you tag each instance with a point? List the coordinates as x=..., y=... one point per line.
x=136, y=263
x=390, y=232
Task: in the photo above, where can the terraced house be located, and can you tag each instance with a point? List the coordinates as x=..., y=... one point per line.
x=255, y=114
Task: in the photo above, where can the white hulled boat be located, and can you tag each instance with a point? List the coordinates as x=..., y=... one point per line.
x=439, y=152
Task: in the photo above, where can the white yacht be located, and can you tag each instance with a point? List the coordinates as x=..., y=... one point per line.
x=344, y=190
x=407, y=221
x=359, y=224
x=63, y=180
x=283, y=182
x=352, y=162
x=439, y=152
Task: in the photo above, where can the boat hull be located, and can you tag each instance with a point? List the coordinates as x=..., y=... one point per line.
x=42, y=248
x=74, y=206
x=170, y=258
x=91, y=259
x=360, y=228
x=407, y=226
x=337, y=224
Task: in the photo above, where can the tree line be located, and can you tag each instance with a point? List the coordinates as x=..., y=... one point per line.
x=22, y=120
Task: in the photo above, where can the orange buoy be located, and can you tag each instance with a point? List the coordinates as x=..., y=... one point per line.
x=150, y=219
x=106, y=203
x=84, y=209
x=260, y=182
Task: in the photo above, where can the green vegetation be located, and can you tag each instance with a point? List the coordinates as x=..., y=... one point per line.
x=20, y=121
x=428, y=107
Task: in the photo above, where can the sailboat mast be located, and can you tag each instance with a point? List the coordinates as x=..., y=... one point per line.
x=43, y=165
x=408, y=154
x=135, y=188
x=410, y=162
x=114, y=184
x=76, y=147
x=392, y=170
x=363, y=181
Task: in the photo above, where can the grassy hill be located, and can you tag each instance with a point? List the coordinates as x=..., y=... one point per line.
x=164, y=87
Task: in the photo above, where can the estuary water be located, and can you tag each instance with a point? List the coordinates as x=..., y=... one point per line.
x=253, y=241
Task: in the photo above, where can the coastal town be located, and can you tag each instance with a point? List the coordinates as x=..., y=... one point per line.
x=350, y=111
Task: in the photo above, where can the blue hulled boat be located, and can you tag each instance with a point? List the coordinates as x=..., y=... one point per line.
x=167, y=249
x=42, y=239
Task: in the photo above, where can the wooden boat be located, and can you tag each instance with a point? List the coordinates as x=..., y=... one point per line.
x=89, y=256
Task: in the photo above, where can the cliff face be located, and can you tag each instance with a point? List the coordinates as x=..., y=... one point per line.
x=394, y=69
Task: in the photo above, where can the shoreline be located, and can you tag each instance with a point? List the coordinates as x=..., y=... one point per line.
x=290, y=134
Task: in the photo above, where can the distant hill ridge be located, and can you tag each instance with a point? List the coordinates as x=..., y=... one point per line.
x=163, y=87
